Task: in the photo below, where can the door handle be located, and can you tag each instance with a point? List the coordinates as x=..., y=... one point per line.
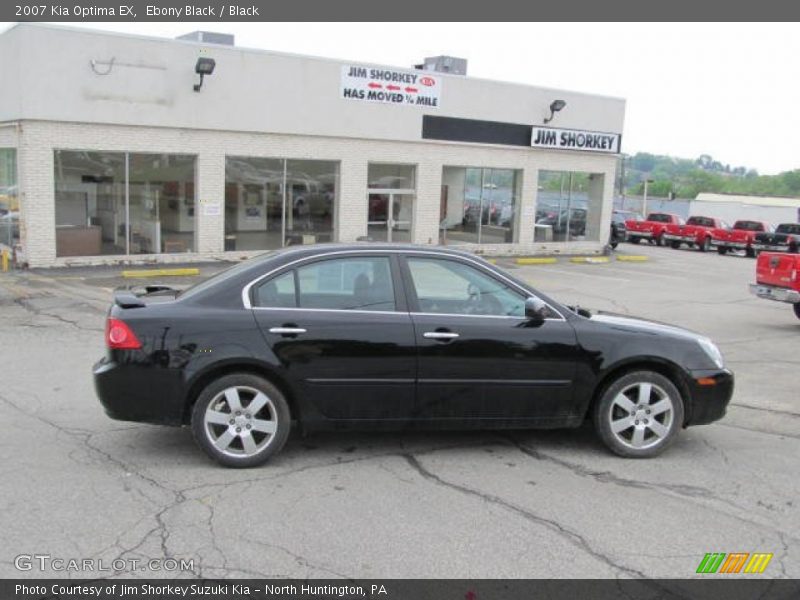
x=287, y=330
x=440, y=335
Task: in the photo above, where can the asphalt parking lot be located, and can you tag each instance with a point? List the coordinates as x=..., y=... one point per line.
x=480, y=505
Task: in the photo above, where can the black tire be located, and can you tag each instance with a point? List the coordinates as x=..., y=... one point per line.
x=614, y=245
x=635, y=240
x=750, y=253
x=705, y=246
x=793, y=249
x=660, y=241
x=214, y=401
x=722, y=250
x=675, y=245
x=797, y=309
x=611, y=408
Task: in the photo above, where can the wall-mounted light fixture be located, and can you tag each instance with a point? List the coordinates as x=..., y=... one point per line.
x=204, y=66
x=555, y=106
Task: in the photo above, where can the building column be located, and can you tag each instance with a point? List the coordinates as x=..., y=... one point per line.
x=427, y=203
x=210, y=203
x=36, y=181
x=351, y=208
x=526, y=215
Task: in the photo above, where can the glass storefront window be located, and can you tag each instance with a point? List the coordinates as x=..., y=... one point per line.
x=479, y=206
x=311, y=187
x=90, y=203
x=568, y=206
x=162, y=203
x=388, y=176
x=270, y=203
x=111, y=203
x=9, y=198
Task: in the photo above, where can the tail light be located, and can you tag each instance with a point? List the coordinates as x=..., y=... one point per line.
x=120, y=337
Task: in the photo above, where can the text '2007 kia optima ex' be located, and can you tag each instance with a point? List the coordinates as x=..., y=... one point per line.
x=394, y=337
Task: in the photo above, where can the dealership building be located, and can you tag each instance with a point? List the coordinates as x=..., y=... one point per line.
x=119, y=148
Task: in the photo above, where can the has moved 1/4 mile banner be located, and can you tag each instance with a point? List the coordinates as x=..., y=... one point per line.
x=391, y=86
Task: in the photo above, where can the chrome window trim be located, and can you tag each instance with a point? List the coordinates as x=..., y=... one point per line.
x=246, y=289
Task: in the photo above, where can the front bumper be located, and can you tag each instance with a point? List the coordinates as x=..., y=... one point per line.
x=131, y=392
x=773, y=292
x=709, y=400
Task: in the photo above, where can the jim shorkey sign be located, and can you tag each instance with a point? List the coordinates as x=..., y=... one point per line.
x=572, y=139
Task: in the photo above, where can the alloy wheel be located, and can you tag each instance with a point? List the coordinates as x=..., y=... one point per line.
x=641, y=415
x=240, y=421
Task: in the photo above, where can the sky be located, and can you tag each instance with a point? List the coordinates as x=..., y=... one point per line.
x=730, y=90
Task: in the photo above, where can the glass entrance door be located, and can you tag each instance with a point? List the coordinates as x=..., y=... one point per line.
x=389, y=216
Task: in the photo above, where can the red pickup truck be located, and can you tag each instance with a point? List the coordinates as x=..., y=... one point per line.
x=696, y=232
x=652, y=228
x=740, y=237
x=778, y=278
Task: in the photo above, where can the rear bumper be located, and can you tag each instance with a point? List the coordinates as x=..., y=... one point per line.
x=687, y=239
x=709, y=402
x=773, y=292
x=771, y=247
x=725, y=244
x=136, y=393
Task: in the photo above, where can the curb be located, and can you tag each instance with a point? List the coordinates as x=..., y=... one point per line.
x=633, y=258
x=160, y=272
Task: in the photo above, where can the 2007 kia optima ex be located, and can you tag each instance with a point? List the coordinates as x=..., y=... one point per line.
x=369, y=336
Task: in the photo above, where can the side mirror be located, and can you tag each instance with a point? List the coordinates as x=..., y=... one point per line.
x=535, y=309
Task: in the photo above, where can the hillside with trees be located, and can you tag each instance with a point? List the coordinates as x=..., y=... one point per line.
x=687, y=177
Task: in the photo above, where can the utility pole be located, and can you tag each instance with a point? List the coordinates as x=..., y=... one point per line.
x=644, y=200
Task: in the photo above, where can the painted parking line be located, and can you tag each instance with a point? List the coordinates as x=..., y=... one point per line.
x=632, y=258
x=591, y=260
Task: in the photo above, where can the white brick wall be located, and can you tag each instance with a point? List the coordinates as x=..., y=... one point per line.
x=39, y=138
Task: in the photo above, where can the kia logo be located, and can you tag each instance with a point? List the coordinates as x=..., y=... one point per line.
x=429, y=81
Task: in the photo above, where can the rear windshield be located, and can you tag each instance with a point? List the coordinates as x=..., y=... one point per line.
x=788, y=228
x=749, y=225
x=229, y=273
x=660, y=218
x=702, y=221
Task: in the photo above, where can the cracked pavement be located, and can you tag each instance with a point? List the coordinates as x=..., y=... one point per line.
x=371, y=505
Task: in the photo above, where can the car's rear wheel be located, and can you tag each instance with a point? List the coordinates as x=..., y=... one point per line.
x=705, y=246
x=241, y=420
x=750, y=253
x=797, y=309
x=634, y=239
x=722, y=250
x=675, y=245
x=614, y=245
x=660, y=241
x=639, y=414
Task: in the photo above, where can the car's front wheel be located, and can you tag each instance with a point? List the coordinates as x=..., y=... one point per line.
x=241, y=420
x=797, y=309
x=639, y=414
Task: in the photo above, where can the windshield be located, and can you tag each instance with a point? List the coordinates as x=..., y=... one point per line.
x=660, y=218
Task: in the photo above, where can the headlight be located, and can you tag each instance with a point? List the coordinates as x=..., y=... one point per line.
x=711, y=350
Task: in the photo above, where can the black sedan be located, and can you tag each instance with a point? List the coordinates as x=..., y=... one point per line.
x=394, y=337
